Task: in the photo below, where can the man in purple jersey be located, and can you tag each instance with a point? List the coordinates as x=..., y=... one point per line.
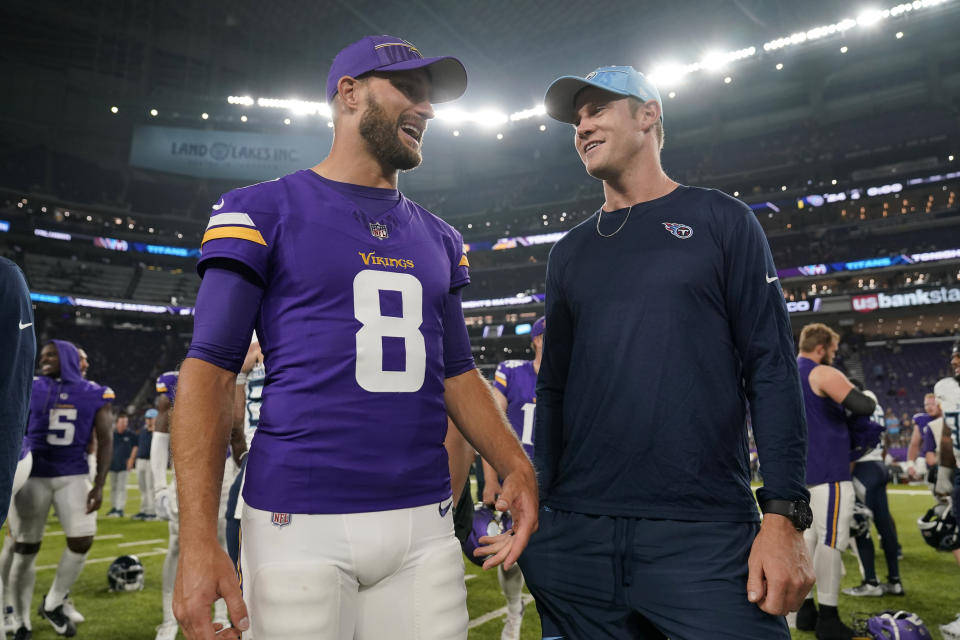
x=64, y=411
x=515, y=390
x=923, y=442
x=354, y=292
x=826, y=394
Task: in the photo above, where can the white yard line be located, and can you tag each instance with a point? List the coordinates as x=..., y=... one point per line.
x=469, y=576
x=502, y=611
x=139, y=542
x=108, y=536
x=155, y=552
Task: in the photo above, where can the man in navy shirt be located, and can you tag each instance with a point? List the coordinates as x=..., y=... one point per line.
x=18, y=349
x=124, y=457
x=666, y=318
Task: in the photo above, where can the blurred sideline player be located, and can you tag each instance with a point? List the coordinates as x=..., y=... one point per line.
x=640, y=428
x=144, y=472
x=826, y=393
x=870, y=489
x=355, y=293
x=64, y=411
x=923, y=442
x=246, y=413
x=515, y=390
x=165, y=502
x=947, y=391
x=17, y=359
x=92, y=445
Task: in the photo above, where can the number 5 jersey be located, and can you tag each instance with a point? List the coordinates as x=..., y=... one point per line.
x=62, y=413
x=360, y=323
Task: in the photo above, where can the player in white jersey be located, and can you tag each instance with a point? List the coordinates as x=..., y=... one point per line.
x=947, y=391
x=870, y=487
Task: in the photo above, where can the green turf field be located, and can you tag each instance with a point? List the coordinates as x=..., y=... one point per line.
x=931, y=580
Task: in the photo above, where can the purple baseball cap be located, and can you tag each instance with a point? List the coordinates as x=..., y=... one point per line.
x=388, y=53
x=538, y=327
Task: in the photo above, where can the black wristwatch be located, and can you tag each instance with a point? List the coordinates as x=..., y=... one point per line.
x=797, y=511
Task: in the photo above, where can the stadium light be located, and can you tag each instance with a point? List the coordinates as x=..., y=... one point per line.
x=153, y=112
x=727, y=80
x=672, y=94
x=664, y=75
x=243, y=118
x=205, y=115
x=114, y=109
x=543, y=127
x=286, y=121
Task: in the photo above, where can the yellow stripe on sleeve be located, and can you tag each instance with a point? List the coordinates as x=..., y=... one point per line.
x=161, y=388
x=464, y=262
x=499, y=377
x=240, y=233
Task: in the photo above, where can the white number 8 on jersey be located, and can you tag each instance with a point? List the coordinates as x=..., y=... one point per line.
x=371, y=376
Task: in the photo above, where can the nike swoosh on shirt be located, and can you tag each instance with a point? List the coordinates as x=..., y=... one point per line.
x=24, y=326
x=769, y=279
x=443, y=511
x=219, y=205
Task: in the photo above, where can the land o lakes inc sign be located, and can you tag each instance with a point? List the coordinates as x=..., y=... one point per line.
x=228, y=155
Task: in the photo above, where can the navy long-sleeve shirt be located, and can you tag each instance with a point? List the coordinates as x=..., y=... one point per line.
x=18, y=350
x=657, y=338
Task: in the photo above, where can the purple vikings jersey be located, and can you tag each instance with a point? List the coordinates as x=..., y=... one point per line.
x=517, y=381
x=167, y=384
x=928, y=442
x=62, y=413
x=351, y=325
x=828, y=438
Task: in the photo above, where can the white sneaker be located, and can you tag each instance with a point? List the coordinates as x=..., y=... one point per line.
x=167, y=631
x=951, y=631
x=865, y=589
x=71, y=611
x=511, y=628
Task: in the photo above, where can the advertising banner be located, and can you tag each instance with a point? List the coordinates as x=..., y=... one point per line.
x=225, y=155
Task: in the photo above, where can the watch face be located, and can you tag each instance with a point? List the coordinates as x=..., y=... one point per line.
x=803, y=515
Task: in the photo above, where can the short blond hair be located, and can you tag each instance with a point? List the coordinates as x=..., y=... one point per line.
x=815, y=335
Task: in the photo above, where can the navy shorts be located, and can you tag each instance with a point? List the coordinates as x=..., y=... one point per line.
x=601, y=577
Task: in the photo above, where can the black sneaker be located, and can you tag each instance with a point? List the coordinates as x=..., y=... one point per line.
x=23, y=634
x=61, y=623
x=807, y=616
x=831, y=628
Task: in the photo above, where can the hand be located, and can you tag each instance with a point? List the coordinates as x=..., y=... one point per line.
x=204, y=575
x=163, y=503
x=94, y=498
x=780, y=569
x=130, y=465
x=519, y=497
x=490, y=492
x=225, y=633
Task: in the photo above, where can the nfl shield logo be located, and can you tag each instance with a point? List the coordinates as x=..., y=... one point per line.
x=281, y=519
x=681, y=231
x=379, y=231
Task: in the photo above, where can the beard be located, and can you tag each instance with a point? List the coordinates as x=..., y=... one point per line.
x=383, y=140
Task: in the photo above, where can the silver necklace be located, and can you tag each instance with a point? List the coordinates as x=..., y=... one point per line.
x=600, y=215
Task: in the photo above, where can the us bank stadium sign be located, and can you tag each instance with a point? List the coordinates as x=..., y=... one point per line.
x=916, y=298
x=224, y=154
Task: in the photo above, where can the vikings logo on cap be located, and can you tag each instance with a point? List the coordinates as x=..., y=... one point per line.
x=681, y=231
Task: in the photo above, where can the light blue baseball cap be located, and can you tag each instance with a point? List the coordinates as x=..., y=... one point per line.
x=151, y=413
x=624, y=81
